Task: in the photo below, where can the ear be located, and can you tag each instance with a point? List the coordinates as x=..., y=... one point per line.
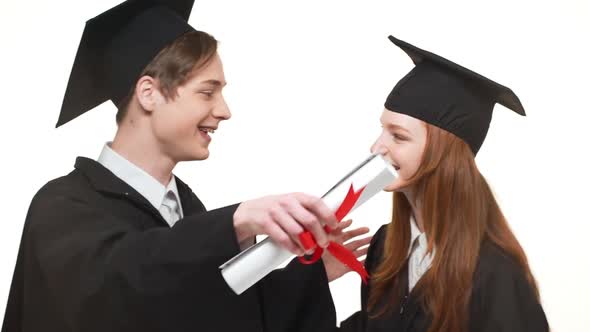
x=148, y=93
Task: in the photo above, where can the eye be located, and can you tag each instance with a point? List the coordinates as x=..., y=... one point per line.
x=207, y=93
x=399, y=137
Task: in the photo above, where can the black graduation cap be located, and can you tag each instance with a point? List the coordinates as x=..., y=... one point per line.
x=449, y=96
x=116, y=46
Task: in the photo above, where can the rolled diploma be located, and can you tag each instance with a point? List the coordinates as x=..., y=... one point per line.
x=254, y=263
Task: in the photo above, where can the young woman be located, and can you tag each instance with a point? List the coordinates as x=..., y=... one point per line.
x=448, y=260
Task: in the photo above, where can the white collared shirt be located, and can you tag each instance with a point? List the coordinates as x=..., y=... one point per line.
x=140, y=180
x=419, y=261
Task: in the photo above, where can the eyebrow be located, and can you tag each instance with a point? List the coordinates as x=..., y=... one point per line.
x=214, y=82
x=398, y=127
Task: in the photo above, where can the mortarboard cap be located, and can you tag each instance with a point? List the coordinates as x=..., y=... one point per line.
x=116, y=46
x=449, y=96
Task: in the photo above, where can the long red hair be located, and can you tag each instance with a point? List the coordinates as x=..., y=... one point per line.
x=459, y=211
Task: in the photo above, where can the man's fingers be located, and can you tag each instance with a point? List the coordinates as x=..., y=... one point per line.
x=288, y=224
x=318, y=208
x=309, y=221
x=277, y=234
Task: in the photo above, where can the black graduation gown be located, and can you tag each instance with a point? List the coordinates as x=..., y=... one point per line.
x=501, y=300
x=95, y=255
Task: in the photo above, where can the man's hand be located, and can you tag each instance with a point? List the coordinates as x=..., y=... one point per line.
x=283, y=218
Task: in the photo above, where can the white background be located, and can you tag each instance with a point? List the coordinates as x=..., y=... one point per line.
x=307, y=82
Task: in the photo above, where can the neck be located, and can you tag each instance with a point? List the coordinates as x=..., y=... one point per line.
x=135, y=143
x=416, y=208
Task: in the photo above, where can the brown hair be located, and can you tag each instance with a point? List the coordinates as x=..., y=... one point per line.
x=447, y=179
x=173, y=65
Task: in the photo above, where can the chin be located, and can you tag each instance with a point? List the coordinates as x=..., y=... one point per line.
x=391, y=187
x=200, y=154
x=396, y=186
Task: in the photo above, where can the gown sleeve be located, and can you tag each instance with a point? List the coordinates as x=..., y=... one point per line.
x=108, y=274
x=357, y=322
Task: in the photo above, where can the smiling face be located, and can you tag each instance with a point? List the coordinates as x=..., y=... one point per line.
x=402, y=141
x=182, y=125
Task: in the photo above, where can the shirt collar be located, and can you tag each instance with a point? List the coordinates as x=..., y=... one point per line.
x=414, y=234
x=414, y=230
x=137, y=178
x=418, y=239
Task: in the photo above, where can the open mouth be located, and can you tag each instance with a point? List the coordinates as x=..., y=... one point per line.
x=396, y=167
x=207, y=130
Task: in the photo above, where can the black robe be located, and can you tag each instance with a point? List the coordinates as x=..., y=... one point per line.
x=95, y=255
x=501, y=299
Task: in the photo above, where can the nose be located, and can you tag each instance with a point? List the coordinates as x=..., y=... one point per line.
x=374, y=147
x=378, y=146
x=222, y=111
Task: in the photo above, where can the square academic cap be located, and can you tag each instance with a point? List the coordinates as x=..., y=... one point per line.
x=449, y=96
x=116, y=46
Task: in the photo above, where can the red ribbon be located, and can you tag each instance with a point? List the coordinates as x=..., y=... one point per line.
x=340, y=252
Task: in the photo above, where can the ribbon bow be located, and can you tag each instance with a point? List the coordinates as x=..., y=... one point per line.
x=340, y=252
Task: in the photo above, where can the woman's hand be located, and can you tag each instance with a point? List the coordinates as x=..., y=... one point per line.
x=334, y=268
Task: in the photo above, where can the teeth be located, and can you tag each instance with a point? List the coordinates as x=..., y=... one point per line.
x=207, y=130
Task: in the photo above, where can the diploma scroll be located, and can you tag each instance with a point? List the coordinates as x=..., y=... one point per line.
x=254, y=263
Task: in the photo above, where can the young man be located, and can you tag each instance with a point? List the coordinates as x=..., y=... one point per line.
x=121, y=244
